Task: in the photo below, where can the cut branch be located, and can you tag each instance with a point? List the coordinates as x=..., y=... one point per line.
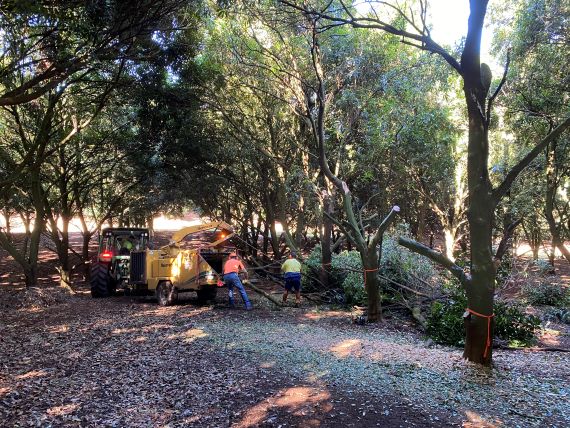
x=384, y=225
x=437, y=257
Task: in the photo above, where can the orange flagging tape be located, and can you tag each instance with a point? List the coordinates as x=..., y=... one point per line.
x=368, y=270
x=488, y=346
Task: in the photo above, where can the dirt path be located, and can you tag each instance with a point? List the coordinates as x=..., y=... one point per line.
x=119, y=362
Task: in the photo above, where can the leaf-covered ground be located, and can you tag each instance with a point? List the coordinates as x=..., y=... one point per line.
x=124, y=362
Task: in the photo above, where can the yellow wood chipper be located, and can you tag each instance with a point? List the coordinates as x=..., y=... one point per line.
x=183, y=265
x=172, y=269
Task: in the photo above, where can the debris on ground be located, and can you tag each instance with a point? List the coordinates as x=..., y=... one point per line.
x=127, y=362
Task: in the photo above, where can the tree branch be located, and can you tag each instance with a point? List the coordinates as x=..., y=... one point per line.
x=503, y=80
x=507, y=233
x=383, y=226
x=427, y=43
x=437, y=257
x=341, y=227
x=503, y=188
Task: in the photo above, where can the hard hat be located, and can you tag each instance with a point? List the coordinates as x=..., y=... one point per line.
x=233, y=255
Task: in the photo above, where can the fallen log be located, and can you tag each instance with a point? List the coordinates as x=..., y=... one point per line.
x=263, y=293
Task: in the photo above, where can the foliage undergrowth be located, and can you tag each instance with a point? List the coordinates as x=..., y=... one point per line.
x=558, y=315
x=545, y=293
x=543, y=267
x=401, y=265
x=445, y=322
x=346, y=274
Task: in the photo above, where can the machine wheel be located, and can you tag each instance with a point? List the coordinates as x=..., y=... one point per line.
x=99, y=281
x=207, y=293
x=165, y=293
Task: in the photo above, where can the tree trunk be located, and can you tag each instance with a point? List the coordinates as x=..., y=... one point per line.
x=480, y=293
x=150, y=224
x=551, y=188
x=27, y=224
x=35, y=235
x=535, y=249
x=6, y=215
x=255, y=236
x=271, y=219
x=370, y=267
x=265, y=240
x=424, y=205
x=64, y=257
x=86, y=238
x=449, y=242
x=300, y=226
x=86, y=235
x=31, y=276
x=326, y=243
x=26, y=221
x=275, y=241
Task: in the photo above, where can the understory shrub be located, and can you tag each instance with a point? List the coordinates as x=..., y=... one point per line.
x=514, y=325
x=353, y=287
x=545, y=293
x=543, y=267
x=346, y=272
x=445, y=322
x=558, y=315
x=401, y=265
x=310, y=270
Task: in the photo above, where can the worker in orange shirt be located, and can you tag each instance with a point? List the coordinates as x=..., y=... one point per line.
x=232, y=268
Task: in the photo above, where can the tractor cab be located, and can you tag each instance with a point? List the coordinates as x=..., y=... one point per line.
x=121, y=241
x=112, y=269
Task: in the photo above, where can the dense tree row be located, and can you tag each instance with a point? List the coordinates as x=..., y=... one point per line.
x=70, y=142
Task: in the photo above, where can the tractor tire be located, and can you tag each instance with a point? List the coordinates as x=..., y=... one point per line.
x=99, y=281
x=207, y=293
x=165, y=294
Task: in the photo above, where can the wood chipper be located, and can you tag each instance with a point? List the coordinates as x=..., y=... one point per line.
x=174, y=269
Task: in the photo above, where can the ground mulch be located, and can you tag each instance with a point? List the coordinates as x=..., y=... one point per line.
x=127, y=362
x=69, y=360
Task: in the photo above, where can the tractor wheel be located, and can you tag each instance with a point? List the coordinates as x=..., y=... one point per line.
x=99, y=281
x=165, y=293
x=207, y=293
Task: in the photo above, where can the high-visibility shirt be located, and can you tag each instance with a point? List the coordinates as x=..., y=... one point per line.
x=233, y=266
x=291, y=265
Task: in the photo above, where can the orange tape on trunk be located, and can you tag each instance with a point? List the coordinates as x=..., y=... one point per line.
x=488, y=345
